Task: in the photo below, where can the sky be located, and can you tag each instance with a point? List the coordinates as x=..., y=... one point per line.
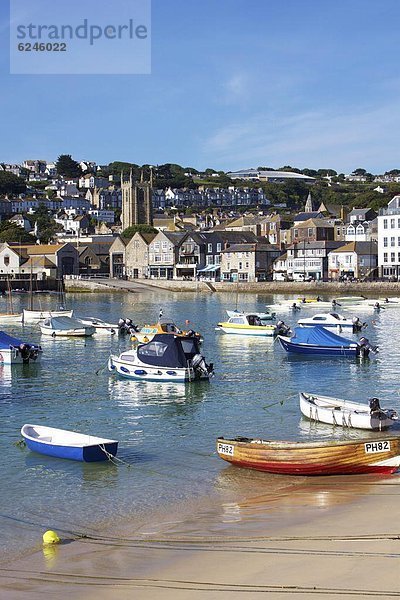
x=233, y=84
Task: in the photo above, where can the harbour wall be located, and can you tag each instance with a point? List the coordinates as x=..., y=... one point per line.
x=371, y=289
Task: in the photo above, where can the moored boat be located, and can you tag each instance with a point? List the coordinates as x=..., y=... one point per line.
x=100, y=325
x=147, y=332
x=318, y=341
x=66, y=327
x=14, y=351
x=263, y=316
x=35, y=316
x=167, y=357
x=62, y=443
x=247, y=324
x=332, y=321
x=334, y=457
x=345, y=413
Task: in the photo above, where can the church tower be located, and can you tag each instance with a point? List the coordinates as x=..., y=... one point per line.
x=308, y=207
x=137, y=202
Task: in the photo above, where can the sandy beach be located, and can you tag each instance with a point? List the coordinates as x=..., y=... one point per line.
x=324, y=537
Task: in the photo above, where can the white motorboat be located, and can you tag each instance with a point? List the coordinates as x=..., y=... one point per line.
x=333, y=321
x=167, y=357
x=247, y=324
x=65, y=327
x=345, y=413
x=263, y=316
x=100, y=325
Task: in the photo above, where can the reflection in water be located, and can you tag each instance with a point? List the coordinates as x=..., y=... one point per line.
x=265, y=498
x=132, y=393
x=50, y=554
x=67, y=472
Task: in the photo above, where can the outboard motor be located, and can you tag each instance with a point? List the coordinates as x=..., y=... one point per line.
x=365, y=347
x=374, y=405
x=200, y=366
x=282, y=328
x=357, y=325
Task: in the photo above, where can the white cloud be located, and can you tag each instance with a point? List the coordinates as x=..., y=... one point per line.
x=313, y=139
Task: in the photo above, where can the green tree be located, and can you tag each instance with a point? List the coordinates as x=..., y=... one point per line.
x=129, y=232
x=46, y=226
x=9, y=232
x=11, y=184
x=67, y=166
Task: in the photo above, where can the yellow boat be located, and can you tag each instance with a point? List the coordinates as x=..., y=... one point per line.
x=147, y=332
x=247, y=324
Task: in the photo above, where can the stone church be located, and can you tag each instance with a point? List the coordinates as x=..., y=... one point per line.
x=137, y=204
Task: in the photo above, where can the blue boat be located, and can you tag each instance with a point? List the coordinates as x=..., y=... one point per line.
x=318, y=341
x=68, y=444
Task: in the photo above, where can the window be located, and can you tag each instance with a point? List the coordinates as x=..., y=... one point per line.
x=392, y=223
x=385, y=224
x=385, y=242
x=392, y=241
x=219, y=247
x=6, y=260
x=385, y=257
x=243, y=277
x=309, y=231
x=392, y=257
x=209, y=248
x=247, y=265
x=209, y=259
x=240, y=265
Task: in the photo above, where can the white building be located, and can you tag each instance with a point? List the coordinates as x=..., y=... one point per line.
x=389, y=240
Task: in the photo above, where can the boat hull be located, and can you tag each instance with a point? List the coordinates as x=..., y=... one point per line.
x=81, y=332
x=83, y=448
x=373, y=455
x=148, y=373
x=310, y=350
x=333, y=411
x=13, y=357
x=33, y=316
x=263, y=331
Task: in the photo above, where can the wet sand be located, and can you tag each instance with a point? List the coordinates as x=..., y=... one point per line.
x=324, y=537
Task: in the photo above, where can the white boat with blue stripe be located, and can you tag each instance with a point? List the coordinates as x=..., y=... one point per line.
x=167, y=357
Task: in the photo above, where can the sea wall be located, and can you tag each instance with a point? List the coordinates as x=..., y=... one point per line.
x=372, y=289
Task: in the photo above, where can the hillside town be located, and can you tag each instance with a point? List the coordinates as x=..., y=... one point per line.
x=125, y=225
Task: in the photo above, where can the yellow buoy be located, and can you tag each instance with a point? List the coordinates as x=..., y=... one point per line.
x=50, y=537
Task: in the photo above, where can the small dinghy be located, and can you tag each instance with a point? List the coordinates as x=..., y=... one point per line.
x=333, y=457
x=345, y=413
x=68, y=444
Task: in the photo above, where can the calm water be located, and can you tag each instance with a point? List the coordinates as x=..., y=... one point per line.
x=166, y=431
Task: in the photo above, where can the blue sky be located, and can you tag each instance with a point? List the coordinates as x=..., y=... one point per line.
x=234, y=84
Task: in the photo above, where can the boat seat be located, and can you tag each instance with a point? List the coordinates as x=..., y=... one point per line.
x=45, y=439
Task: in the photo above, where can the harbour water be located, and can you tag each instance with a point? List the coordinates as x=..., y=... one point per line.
x=166, y=432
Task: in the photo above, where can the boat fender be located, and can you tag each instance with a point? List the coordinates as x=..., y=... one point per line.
x=53, y=334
